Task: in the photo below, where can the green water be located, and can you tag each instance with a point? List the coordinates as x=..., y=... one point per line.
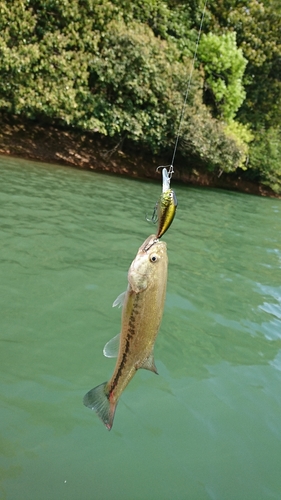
x=209, y=426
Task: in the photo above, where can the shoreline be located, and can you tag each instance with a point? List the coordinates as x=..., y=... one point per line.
x=50, y=144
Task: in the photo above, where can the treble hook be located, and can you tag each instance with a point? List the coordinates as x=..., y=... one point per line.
x=154, y=217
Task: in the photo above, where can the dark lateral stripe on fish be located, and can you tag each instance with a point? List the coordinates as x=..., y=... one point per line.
x=130, y=335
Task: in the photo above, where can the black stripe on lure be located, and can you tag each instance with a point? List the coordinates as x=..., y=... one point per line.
x=165, y=209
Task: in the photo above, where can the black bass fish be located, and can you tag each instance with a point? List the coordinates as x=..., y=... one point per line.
x=143, y=305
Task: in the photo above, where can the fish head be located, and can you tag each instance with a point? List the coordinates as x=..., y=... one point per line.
x=149, y=265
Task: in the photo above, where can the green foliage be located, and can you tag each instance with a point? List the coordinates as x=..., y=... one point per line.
x=207, y=138
x=243, y=137
x=169, y=22
x=120, y=68
x=138, y=83
x=257, y=24
x=265, y=158
x=224, y=66
x=261, y=43
x=125, y=75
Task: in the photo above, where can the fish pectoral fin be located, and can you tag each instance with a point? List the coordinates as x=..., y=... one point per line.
x=149, y=364
x=120, y=300
x=111, y=348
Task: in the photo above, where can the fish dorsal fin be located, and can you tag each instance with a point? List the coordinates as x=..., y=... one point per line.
x=149, y=364
x=111, y=348
x=120, y=300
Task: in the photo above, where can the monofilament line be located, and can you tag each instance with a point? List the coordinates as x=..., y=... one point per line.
x=188, y=85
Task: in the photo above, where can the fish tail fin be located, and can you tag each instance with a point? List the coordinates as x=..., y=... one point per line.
x=97, y=399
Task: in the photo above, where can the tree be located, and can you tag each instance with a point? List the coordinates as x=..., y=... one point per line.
x=120, y=68
x=257, y=24
x=224, y=66
x=266, y=157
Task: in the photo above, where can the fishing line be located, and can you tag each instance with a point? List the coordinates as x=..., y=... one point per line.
x=165, y=209
x=171, y=167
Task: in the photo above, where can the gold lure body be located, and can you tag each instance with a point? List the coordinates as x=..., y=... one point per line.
x=166, y=210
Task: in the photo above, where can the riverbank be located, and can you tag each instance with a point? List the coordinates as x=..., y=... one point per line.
x=30, y=140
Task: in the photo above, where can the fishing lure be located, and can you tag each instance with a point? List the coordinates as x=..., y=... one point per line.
x=165, y=209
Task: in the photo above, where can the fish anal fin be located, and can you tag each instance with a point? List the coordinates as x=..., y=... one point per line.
x=111, y=348
x=149, y=364
x=97, y=399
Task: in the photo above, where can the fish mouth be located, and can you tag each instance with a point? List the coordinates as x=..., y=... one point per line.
x=149, y=242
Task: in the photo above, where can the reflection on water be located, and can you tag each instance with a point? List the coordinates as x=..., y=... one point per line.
x=209, y=426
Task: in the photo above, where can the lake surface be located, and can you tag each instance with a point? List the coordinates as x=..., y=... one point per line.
x=209, y=426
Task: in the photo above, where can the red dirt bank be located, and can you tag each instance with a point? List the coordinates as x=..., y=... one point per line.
x=84, y=150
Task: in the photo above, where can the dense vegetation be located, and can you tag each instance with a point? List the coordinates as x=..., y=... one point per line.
x=120, y=68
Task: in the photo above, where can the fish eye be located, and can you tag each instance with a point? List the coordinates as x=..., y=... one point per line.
x=153, y=258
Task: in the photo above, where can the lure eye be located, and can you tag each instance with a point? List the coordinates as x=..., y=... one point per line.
x=153, y=258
